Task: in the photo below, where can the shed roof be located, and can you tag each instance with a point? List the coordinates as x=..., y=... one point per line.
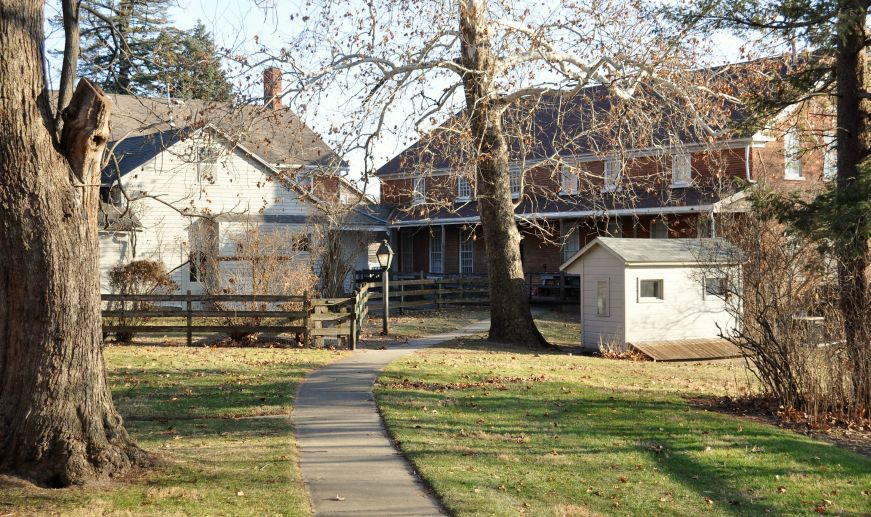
x=663, y=251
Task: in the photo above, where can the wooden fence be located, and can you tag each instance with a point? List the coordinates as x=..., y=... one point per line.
x=342, y=318
x=430, y=293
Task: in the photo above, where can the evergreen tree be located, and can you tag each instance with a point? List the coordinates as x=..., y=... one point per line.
x=832, y=39
x=129, y=46
x=190, y=67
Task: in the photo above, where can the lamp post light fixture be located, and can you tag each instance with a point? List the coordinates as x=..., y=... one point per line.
x=385, y=258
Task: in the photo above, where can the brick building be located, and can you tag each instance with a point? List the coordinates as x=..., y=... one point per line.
x=565, y=197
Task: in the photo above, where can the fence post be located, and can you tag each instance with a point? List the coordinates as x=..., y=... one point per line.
x=562, y=286
x=438, y=286
x=352, y=338
x=189, y=318
x=306, y=306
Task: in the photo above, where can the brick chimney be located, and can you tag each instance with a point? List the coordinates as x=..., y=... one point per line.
x=272, y=87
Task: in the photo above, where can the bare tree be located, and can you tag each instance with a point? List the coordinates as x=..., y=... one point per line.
x=480, y=71
x=58, y=425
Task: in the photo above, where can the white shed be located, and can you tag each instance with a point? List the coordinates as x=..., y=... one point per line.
x=653, y=290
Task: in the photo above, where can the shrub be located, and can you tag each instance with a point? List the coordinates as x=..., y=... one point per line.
x=138, y=277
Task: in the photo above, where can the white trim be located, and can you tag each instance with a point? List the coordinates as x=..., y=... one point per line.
x=567, y=215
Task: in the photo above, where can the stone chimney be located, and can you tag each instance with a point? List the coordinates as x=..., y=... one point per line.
x=272, y=87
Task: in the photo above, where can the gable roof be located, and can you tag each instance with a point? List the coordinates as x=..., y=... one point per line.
x=278, y=136
x=589, y=121
x=640, y=251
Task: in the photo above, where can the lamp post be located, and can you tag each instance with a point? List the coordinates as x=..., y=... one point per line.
x=385, y=257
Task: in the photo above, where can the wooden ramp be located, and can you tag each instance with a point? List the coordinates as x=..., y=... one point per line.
x=687, y=349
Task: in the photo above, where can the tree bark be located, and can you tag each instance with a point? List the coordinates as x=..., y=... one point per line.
x=510, y=313
x=58, y=425
x=854, y=146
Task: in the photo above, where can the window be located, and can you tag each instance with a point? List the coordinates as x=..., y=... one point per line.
x=467, y=252
x=208, y=153
x=306, y=182
x=681, y=170
x=603, y=305
x=612, y=174
x=418, y=195
x=435, y=251
x=571, y=241
x=659, y=229
x=514, y=181
x=406, y=251
x=791, y=155
x=650, y=290
x=569, y=181
x=830, y=159
x=464, y=189
x=615, y=228
x=196, y=260
x=717, y=286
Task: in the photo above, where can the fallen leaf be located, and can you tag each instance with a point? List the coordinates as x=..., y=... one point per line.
x=338, y=498
x=240, y=493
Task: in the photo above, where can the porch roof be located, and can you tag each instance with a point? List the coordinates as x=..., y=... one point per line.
x=538, y=207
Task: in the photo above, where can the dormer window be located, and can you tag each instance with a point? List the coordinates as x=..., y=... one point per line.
x=514, y=181
x=792, y=155
x=418, y=194
x=464, y=189
x=681, y=170
x=569, y=182
x=613, y=172
x=208, y=153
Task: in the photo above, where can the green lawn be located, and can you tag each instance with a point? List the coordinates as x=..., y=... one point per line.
x=190, y=406
x=513, y=432
x=420, y=323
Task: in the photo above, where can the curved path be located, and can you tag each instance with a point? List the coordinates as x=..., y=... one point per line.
x=349, y=465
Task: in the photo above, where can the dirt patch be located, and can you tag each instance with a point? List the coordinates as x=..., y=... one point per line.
x=495, y=383
x=848, y=435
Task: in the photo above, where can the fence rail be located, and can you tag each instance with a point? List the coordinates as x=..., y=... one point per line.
x=315, y=317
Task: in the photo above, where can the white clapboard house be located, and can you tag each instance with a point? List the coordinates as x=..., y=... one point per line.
x=653, y=291
x=181, y=170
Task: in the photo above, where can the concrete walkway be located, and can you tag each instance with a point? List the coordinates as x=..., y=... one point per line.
x=349, y=465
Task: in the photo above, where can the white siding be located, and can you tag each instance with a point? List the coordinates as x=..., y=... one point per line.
x=115, y=248
x=598, y=264
x=235, y=184
x=683, y=313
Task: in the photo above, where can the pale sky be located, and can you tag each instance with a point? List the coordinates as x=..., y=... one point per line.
x=244, y=25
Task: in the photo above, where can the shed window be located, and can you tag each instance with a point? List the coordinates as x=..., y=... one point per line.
x=716, y=286
x=650, y=290
x=603, y=302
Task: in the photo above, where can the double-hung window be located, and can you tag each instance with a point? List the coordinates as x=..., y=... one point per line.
x=612, y=174
x=464, y=189
x=681, y=170
x=791, y=155
x=418, y=194
x=568, y=181
x=467, y=252
x=571, y=241
x=435, y=251
x=514, y=180
x=406, y=251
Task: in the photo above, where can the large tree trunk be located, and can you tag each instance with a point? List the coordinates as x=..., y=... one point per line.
x=854, y=146
x=58, y=425
x=510, y=314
